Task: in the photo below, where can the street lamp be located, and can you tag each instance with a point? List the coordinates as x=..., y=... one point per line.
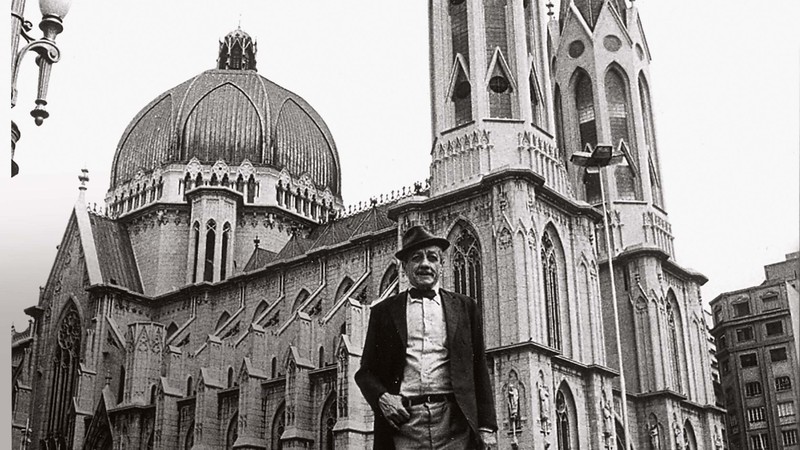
x=53, y=12
x=594, y=161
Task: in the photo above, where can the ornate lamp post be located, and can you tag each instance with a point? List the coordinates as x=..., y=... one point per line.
x=594, y=161
x=53, y=11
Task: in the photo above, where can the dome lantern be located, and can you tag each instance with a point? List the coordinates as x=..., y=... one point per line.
x=237, y=51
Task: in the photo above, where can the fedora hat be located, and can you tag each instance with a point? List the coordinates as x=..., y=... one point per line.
x=417, y=237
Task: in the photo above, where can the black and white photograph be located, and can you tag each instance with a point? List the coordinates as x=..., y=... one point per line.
x=441, y=224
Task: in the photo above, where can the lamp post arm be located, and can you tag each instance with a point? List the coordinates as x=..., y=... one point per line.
x=45, y=49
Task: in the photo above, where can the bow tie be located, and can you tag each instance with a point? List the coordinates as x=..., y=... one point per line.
x=416, y=293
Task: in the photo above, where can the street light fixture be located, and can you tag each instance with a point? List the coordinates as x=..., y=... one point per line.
x=53, y=12
x=594, y=161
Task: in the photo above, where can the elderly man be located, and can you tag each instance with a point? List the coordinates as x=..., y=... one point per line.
x=423, y=370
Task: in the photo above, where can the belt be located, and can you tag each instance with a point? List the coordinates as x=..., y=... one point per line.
x=429, y=398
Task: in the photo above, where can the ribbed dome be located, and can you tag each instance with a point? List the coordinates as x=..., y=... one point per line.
x=232, y=115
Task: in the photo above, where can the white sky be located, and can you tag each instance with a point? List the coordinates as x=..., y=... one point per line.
x=724, y=85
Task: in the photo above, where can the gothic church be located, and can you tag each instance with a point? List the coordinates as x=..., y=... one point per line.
x=221, y=301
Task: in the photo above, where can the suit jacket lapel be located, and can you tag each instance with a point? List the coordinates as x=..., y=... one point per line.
x=452, y=315
x=398, y=312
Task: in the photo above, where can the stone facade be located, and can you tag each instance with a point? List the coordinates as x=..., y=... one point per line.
x=223, y=302
x=757, y=346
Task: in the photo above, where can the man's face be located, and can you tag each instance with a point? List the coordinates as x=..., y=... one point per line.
x=423, y=267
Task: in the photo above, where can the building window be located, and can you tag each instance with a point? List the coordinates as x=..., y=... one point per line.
x=459, y=35
x=778, y=354
x=226, y=236
x=759, y=442
x=562, y=422
x=755, y=415
x=752, y=388
x=551, y=291
x=584, y=102
x=673, y=319
x=211, y=239
x=785, y=409
x=749, y=360
x=726, y=367
x=744, y=334
x=328, y=421
x=770, y=301
x=783, y=383
x=467, y=274
x=774, y=328
x=789, y=437
x=741, y=309
x=64, y=381
x=196, y=237
x=722, y=342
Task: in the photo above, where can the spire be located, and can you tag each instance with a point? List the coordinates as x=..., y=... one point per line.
x=83, y=178
x=237, y=51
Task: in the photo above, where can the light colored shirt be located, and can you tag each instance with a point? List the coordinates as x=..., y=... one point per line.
x=427, y=369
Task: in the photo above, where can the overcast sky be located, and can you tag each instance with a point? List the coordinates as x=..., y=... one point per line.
x=724, y=86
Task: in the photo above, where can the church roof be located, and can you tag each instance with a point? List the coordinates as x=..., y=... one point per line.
x=370, y=221
x=115, y=253
x=229, y=113
x=259, y=258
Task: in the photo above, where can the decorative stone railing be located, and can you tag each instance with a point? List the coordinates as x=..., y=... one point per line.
x=658, y=232
x=537, y=151
x=418, y=188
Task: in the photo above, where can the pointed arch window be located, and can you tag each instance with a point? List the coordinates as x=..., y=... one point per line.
x=189, y=387
x=236, y=56
x=342, y=375
x=551, y=291
x=223, y=318
x=388, y=280
x=559, y=118
x=328, y=419
x=278, y=426
x=584, y=102
x=226, y=236
x=459, y=29
x=262, y=306
x=497, y=34
x=562, y=422
x=121, y=386
x=211, y=240
x=301, y=298
x=189, y=436
x=537, y=107
x=467, y=274
x=64, y=379
x=196, y=239
x=461, y=97
x=675, y=333
x=530, y=15
x=251, y=189
x=233, y=432
x=344, y=286
x=650, y=142
x=621, y=126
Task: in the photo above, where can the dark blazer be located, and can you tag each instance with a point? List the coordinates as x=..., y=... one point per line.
x=384, y=359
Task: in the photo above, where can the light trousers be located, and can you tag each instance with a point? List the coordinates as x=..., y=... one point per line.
x=439, y=426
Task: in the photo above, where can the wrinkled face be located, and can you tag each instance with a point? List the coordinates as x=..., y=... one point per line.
x=423, y=267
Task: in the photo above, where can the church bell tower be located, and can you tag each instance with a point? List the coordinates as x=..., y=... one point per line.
x=489, y=87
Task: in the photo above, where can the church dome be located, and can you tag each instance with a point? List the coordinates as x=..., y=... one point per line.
x=233, y=114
